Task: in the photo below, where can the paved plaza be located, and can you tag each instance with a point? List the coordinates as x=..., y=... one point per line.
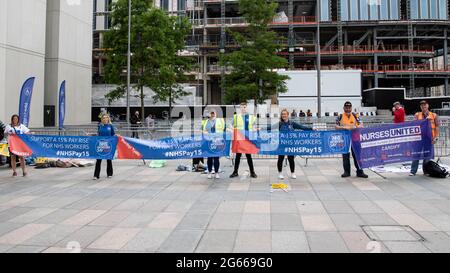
x=162, y=210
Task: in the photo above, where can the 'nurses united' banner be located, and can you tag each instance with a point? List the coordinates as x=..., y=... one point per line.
x=83, y=147
x=393, y=143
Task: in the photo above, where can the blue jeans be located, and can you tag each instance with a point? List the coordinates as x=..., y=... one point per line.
x=415, y=165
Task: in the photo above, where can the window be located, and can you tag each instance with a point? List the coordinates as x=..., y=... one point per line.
x=414, y=9
x=364, y=9
x=344, y=10
x=434, y=9
x=324, y=7
x=164, y=4
x=443, y=10
x=374, y=4
x=181, y=5
x=394, y=10
x=354, y=10
x=384, y=10
x=424, y=9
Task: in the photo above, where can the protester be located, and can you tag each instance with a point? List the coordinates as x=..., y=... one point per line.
x=150, y=121
x=287, y=125
x=399, y=113
x=105, y=129
x=2, y=136
x=302, y=114
x=349, y=121
x=16, y=128
x=293, y=114
x=135, y=124
x=244, y=122
x=434, y=121
x=309, y=113
x=213, y=125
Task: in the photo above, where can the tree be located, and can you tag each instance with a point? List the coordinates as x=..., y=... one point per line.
x=253, y=74
x=156, y=40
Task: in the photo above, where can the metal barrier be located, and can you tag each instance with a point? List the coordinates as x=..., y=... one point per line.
x=442, y=147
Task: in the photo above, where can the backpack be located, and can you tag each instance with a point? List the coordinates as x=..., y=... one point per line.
x=434, y=170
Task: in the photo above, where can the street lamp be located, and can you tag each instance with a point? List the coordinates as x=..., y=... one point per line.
x=129, y=63
x=318, y=62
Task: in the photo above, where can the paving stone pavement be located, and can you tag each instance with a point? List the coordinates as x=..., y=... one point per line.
x=161, y=210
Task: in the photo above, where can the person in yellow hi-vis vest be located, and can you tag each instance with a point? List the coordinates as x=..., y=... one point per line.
x=213, y=125
x=349, y=121
x=434, y=121
x=244, y=121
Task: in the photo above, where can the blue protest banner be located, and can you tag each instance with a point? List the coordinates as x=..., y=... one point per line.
x=304, y=143
x=62, y=105
x=82, y=147
x=393, y=143
x=25, y=101
x=213, y=145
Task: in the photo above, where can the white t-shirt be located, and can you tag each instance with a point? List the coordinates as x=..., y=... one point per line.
x=21, y=129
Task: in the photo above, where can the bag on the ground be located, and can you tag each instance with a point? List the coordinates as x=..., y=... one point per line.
x=433, y=169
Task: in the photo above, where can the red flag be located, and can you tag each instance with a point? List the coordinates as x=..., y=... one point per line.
x=241, y=145
x=126, y=151
x=18, y=147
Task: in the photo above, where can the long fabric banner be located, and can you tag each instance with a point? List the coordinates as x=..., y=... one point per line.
x=25, y=101
x=62, y=105
x=82, y=147
x=393, y=143
x=213, y=145
x=305, y=143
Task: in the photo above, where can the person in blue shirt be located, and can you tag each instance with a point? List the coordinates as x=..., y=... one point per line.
x=105, y=128
x=288, y=125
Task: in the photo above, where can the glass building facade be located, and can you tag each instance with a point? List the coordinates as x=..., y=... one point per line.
x=429, y=9
x=362, y=10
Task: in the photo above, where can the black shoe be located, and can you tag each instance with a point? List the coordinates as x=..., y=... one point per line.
x=253, y=175
x=362, y=175
x=344, y=175
x=234, y=174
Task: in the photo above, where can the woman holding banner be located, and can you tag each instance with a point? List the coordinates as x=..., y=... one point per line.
x=105, y=129
x=287, y=125
x=213, y=125
x=16, y=128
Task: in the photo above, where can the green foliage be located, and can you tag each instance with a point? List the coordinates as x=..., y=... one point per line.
x=253, y=75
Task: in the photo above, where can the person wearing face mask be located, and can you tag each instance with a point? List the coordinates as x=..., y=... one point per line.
x=349, y=121
x=213, y=125
x=286, y=125
x=425, y=113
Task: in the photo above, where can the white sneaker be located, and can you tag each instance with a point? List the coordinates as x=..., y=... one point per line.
x=209, y=176
x=280, y=176
x=95, y=178
x=217, y=176
x=293, y=176
x=412, y=174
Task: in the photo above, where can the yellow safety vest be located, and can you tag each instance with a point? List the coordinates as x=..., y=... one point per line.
x=432, y=119
x=349, y=122
x=239, y=122
x=220, y=125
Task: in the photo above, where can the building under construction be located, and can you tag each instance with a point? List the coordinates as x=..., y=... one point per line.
x=395, y=43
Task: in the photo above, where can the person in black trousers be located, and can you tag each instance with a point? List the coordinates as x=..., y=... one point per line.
x=105, y=128
x=244, y=122
x=287, y=125
x=135, y=123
